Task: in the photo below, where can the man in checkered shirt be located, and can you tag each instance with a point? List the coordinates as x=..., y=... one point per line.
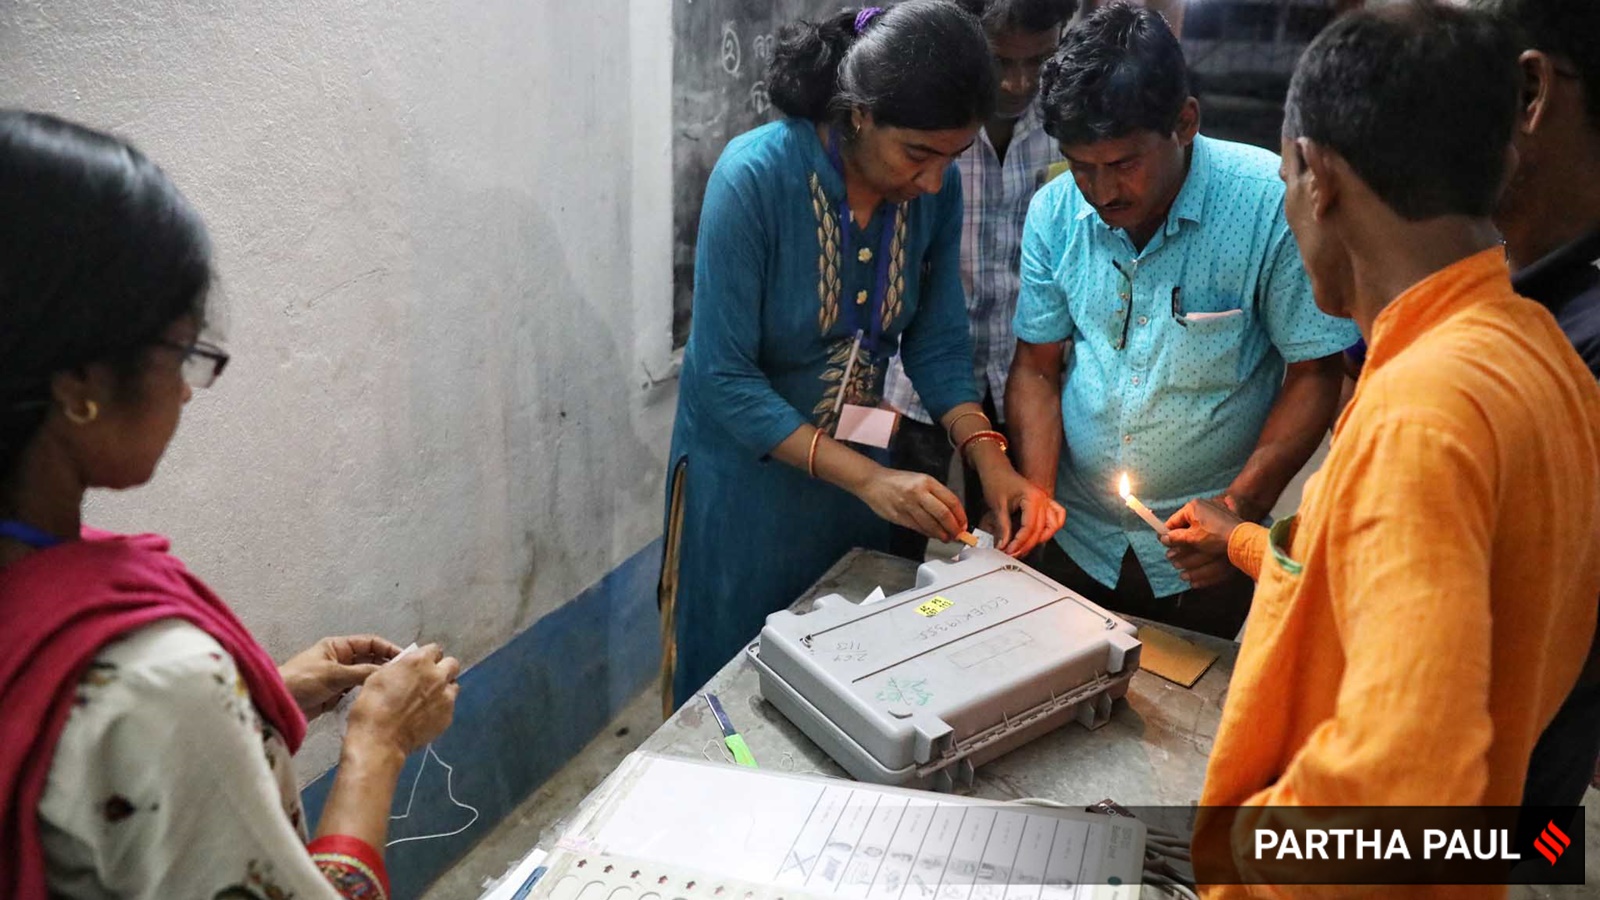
x=1010, y=159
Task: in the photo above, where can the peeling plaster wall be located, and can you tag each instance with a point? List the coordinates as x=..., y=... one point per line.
x=444, y=240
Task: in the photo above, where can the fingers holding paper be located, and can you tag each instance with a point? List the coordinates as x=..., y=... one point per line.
x=1010, y=494
x=409, y=702
x=918, y=502
x=323, y=673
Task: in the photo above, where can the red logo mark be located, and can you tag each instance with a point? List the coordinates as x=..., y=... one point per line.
x=1551, y=843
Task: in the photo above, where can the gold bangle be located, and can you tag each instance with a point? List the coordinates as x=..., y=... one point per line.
x=951, y=431
x=976, y=436
x=811, y=459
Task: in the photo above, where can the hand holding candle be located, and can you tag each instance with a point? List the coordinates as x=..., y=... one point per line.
x=1144, y=511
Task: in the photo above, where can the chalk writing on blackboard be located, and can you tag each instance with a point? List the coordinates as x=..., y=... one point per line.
x=762, y=46
x=732, y=56
x=720, y=89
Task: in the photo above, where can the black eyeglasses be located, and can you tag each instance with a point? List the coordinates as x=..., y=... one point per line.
x=203, y=362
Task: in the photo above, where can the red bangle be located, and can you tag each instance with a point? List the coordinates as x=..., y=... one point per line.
x=976, y=436
x=811, y=459
x=349, y=864
x=951, y=431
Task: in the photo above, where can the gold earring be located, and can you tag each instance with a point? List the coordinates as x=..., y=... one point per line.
x=91, y=411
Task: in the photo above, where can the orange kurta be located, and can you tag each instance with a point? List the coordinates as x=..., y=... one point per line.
x=1449, y=569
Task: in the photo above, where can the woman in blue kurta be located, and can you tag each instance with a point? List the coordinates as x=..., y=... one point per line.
x=828, y=241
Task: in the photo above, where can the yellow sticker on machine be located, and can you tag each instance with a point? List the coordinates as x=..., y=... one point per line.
x=935, y=606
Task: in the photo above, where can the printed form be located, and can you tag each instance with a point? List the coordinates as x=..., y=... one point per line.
x=863, y=842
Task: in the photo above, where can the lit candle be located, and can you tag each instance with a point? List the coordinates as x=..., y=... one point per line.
x=1143, y=511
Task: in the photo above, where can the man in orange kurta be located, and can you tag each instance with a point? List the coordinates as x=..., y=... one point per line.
x=1418, y=624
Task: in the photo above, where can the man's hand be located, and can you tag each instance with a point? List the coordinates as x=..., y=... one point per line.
x=1197, y=542
x=323, y=673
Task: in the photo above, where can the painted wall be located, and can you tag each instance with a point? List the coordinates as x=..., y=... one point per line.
x=444, y=239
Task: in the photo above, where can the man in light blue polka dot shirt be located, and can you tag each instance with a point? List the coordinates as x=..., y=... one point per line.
x=1199, y=364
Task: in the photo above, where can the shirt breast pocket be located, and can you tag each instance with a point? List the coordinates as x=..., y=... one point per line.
x=1204, y=349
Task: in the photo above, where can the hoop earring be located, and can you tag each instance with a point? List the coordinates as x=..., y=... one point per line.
x=91, y=411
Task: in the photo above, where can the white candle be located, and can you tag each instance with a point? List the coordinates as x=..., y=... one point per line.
x=1143, y=511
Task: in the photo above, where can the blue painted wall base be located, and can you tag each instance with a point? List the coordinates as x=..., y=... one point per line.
x=523, y=712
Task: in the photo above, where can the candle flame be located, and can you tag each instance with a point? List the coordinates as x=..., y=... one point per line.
x=1124, y=488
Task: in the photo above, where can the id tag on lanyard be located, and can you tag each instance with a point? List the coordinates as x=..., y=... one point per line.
x=859, y=424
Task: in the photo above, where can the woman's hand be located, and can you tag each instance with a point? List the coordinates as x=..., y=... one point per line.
x=402, y=707
x=318, y=676
x=1008, y=493
x=408, y=703
x=915, y=501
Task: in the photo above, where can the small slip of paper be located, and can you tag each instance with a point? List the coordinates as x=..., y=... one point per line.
x=865, y=425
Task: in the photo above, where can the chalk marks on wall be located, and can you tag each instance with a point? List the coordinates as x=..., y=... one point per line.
x=763, y=46
x=722, y=50
x=731, y=54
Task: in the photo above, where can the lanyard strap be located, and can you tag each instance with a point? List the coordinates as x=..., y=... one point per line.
x=871, y=330
x=24, y=533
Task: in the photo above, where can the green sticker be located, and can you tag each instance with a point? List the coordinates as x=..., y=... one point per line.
x=1278, y=539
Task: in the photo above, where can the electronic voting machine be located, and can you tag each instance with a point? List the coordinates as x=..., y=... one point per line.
x=919, y=688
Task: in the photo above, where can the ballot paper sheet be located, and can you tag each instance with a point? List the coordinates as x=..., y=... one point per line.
x=755, y=832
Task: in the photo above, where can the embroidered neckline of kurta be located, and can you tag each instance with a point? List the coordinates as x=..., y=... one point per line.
x=866, y=377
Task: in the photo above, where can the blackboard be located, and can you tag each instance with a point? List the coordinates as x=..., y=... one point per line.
x=719, y=64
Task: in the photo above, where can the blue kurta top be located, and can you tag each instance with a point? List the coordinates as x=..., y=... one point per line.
x=768, y=348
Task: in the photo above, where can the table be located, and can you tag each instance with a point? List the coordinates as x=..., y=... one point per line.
x=1152, y=752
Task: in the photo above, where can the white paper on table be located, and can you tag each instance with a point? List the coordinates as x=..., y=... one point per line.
x=865, y=425
x=692, y=816
x=856, y=841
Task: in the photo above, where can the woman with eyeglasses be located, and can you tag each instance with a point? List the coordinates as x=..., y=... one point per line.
x=829, y=241
x=145, y=737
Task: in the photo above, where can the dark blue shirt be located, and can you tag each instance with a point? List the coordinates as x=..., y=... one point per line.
x=1567, y=282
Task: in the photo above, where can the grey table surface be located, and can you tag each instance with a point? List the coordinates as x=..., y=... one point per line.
x=1153, y=752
